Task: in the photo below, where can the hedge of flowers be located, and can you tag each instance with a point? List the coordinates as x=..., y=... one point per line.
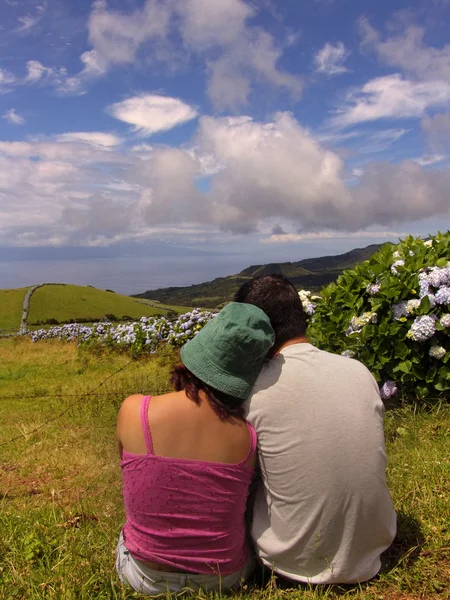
x=140, y=336
x=392, y=312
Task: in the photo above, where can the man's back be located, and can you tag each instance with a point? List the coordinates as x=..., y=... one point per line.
x=324, y=514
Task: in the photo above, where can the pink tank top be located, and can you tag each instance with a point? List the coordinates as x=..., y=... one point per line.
x=187, y=514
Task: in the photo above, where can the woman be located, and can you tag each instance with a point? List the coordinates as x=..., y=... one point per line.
x=188, y=460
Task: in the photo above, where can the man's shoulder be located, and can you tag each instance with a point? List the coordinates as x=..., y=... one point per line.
x=301, y=363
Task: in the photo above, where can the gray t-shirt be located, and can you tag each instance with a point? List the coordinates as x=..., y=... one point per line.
x=323, y=513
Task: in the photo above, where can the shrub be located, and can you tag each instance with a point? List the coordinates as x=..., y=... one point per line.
x=392, y=313
x=111, y=317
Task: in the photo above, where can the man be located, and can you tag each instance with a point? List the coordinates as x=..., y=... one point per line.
x=322, y=513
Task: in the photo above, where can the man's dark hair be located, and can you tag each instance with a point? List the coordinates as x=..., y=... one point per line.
x=225, y=406
x=278, y=298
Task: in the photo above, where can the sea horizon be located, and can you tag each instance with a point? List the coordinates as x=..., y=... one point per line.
x=128, y=275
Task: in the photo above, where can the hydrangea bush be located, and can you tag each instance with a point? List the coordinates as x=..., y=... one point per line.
x=140, y=336
x=392, y=313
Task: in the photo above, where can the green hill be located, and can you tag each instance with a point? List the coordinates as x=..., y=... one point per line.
x=64, y=303
x=11, y=302
x=310, y=273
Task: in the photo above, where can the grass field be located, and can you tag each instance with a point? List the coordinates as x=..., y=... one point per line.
x=11, y=302
x=75, y=302
x=60, y=496
x=66, y=302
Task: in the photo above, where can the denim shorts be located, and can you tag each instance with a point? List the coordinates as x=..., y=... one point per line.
x=147, y=581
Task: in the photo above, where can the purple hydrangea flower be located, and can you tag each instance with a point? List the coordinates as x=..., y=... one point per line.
x=442, y=296
x=423, y=328
x=388, y=389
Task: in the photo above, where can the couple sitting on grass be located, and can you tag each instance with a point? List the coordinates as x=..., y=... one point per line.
x=255, y=403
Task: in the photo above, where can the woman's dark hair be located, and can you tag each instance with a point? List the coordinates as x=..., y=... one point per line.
x=278, y=298
x=225, y=406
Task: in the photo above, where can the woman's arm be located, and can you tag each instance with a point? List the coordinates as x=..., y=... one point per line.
x=129, y=429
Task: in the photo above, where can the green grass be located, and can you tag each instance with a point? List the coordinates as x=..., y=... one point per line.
x=178, y=309
x=11, y=302
x=60, y=491
x=64, y=302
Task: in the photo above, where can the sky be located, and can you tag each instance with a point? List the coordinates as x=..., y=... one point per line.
x=270, y=129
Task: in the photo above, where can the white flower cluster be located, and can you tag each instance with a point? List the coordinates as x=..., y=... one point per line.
x=357, y=323
x=348, y=353
x=147, y=332
x=435, y=277
x=422, y=329
x=373, y=288
x=397, y=263
x=445, y=321
x=306, y=299
x=437, y=351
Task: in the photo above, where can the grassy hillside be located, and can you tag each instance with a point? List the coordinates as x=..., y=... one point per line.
x=61, y=508
x=11, y=302
x=310, y=273
x=65, y=302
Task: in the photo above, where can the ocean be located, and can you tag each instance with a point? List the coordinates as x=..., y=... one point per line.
x=123, y=275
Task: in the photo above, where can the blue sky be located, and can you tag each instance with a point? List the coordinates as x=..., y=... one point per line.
x=276, y=129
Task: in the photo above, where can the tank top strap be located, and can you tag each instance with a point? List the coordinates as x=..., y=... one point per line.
x=253, y=442
x=145, y=424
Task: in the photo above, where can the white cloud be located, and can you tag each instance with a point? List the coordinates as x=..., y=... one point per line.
x=380, y=140
x=291, y=238
x=246, y=54
x=236, y=55
x=28, y=22
x=13, y=117
x=87, y=188
x=429, y=159
x=36, y=71
x=406, y=50
x=7, y=80
x=265, y=170
x=149, y=114
x=391, y=97
x=437, y=131
x=94, y=138
x=329, y=60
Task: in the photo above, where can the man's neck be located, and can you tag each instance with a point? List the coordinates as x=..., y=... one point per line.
x=297, y=340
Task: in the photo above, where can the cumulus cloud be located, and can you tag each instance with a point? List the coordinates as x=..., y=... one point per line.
x=437, y=131
x=236, y=54
x=391, y=194
x=149, y=114
x=13, y=117
x=407, y=50
x=36, y=71
x=391, y=97
x=88, y=188
x=329, y=59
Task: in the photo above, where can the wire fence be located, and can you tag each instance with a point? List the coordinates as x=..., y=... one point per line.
x=80, y=397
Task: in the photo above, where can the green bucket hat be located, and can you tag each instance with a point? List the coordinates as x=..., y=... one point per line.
x=228, y=353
